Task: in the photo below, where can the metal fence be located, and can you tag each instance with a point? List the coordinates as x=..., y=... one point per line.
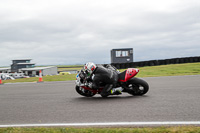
x=157, y=62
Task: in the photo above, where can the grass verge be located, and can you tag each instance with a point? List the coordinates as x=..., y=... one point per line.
x=103, y=130
x=153, y=71
x=45, y=78
x=169, y=70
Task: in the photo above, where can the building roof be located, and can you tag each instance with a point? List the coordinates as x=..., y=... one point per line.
x=21, y=59
x=5, y=68
x=25, y=63
x=122, y=49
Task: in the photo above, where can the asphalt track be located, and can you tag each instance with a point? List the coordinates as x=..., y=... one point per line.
x=170, y=99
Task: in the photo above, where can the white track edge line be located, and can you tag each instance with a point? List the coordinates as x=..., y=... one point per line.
x=106, y=124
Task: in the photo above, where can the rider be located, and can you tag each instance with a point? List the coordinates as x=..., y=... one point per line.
x=99, y=74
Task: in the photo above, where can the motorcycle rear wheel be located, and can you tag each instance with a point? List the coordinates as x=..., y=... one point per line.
x=84, y=92
x=137, y=86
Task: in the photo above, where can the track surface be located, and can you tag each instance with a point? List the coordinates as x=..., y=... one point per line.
x=169, y=99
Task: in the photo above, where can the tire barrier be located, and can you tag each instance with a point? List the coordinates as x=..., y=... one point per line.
x=157, y=62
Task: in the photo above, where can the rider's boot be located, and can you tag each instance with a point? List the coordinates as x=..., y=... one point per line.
x=116, y=91
x=107, y=90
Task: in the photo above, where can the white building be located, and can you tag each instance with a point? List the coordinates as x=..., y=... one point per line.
x=28, y=68
x=50, y=70
x=5, y=70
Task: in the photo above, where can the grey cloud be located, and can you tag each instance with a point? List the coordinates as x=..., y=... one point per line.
x=73, y=33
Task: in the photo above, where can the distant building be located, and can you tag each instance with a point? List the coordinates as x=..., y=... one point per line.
x=122, y=55
x=22, y=63
x=32, y=72
x=25, y=66
x=5, y=70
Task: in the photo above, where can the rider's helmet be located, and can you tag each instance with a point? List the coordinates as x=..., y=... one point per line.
x=89, y=68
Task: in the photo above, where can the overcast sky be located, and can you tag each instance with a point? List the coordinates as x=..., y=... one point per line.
x=77, y=31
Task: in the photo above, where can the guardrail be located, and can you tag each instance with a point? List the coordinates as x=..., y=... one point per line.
x=157, y=62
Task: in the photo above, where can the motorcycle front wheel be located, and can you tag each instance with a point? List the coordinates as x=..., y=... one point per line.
x=84, y=92
x=137, y=87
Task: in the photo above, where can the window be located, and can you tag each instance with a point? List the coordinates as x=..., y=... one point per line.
x=118, y=53
x=122, y=53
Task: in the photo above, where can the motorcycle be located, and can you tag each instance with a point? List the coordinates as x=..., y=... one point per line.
x=127, y=83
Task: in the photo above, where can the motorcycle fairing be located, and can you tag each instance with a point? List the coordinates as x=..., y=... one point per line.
x=92, y=90
x=128, y=74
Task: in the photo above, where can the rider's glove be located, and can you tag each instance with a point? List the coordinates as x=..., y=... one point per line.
x=90, y=85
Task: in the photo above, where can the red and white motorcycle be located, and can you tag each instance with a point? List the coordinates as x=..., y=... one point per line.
x=127, y=82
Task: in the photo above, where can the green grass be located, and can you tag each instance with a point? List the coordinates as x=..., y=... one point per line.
x=70, y=68
x=103, y=130
x=45, y=78
x=170, y=70
x=153, y=71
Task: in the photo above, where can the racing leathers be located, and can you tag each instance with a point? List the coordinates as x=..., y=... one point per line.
x=106, y=75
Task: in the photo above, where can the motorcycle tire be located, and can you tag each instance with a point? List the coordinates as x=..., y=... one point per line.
x=85, y=93
x=137, y=87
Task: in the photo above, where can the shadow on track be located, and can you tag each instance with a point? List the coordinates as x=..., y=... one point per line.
x=109, y=98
